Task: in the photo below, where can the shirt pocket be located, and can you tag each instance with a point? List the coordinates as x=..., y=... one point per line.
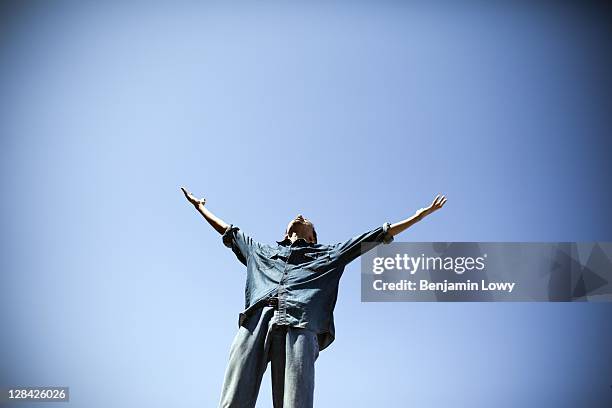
x=317, y=260
x=266, y=259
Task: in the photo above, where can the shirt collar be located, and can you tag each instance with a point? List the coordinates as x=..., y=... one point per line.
x=298, y=242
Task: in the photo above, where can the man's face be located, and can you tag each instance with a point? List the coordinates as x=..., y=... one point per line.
x=300, y=227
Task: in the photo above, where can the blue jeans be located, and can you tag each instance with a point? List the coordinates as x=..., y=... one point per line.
x=292, y=352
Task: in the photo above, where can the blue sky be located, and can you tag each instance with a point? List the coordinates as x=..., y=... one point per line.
x=351, y=114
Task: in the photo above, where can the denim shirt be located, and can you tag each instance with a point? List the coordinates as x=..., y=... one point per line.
x=304, y=276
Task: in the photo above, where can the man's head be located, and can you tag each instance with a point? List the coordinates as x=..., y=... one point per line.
x=300, y=227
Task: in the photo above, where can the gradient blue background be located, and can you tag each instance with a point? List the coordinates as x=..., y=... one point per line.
x=351, y=114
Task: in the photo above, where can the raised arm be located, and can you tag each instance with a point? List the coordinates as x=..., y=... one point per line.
x=217, y=223
x=400, y=226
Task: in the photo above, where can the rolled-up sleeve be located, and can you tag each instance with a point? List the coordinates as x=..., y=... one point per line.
x=352, y=248
x=240, y=243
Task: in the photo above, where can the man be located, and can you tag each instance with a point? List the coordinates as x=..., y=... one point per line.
x=291, y=291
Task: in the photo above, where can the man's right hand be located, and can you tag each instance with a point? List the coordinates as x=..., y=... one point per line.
x=192, y=199
x=217, y=223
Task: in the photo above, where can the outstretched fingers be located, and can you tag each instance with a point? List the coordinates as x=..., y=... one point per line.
x=435, y=201
x=188, y=195
x=191, y=198
x=438, y=202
